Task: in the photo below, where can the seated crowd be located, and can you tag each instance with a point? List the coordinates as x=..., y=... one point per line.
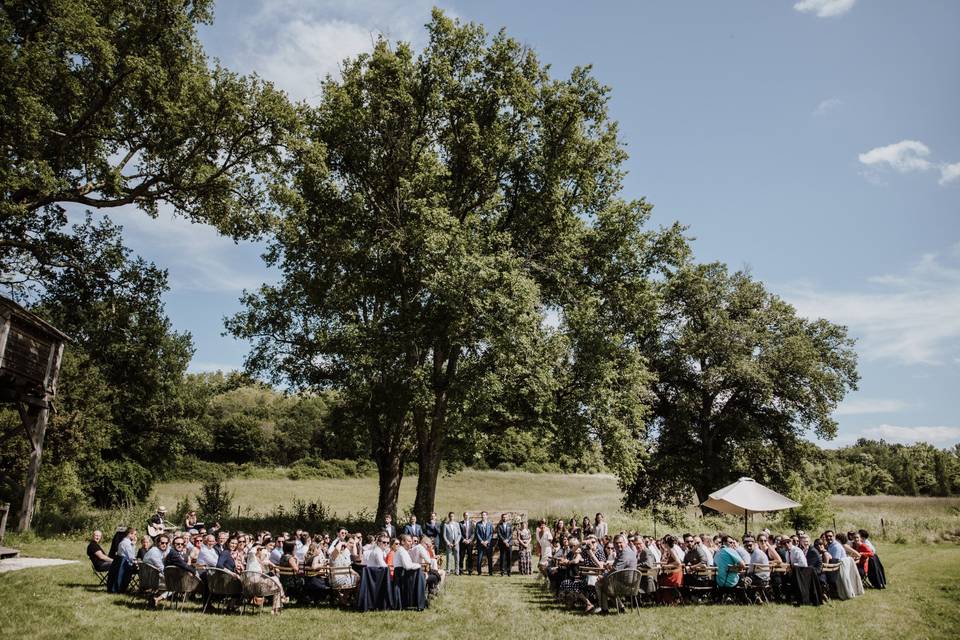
x=579, y=566
x=301, y=564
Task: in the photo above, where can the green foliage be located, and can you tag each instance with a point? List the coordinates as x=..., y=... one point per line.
x=120, y=482
x=740, y=378
x=62, y=504
x=317, y=468
x=815, y=509
x=238, y=438
x=214, y=502
x=114, y=103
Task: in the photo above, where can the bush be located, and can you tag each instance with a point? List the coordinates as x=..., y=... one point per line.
x=317, y=468
x=214, y=502
x=61, y=502
x=115, y=483
x=814, y=508
x=506, y=466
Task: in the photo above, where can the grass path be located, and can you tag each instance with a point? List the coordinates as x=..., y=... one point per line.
x=923, y=601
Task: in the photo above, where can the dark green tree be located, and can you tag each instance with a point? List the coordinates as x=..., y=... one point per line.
x=111, y=103
x=444, y=203
x=739, y=379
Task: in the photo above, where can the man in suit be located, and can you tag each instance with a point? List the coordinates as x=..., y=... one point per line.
x=451, y=542
x=468, y=531
x=626, y=559
x=388, y=526
x=413, y=529
x=432, y=530
x=484, y=537
x=505, y=543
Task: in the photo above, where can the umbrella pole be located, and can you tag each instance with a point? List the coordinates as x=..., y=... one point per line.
x=745, y=512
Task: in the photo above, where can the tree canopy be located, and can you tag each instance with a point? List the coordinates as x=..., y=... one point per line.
x=113, y=103
x=446, y=201
x=740, y=378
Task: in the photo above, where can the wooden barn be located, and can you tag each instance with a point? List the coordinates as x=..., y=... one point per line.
x=30, y=353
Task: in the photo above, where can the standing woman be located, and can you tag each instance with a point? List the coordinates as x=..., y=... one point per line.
x=586, y=528
x=559, y=530
x=523, y=549
x=600, y=527
x=545, y=540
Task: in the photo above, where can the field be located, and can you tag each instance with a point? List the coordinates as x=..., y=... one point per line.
x=560, y=495
x=922, y=601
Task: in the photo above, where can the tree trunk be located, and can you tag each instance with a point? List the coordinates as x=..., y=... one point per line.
x=430, y=435
x=390, y=472
x=36, y=427
x=428, y=456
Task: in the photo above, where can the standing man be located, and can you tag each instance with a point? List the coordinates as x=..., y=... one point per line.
x=413, y=529
x=388, y=526
x=451, y=542
x=505, y=544
x=468, y=531
x=485, y=543
x=432, y=530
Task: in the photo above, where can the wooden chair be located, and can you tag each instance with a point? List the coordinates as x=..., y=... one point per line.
x=341, y=591
x=701, y=587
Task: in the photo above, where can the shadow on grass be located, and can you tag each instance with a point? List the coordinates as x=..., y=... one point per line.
x=86, y=586
x=536, y=593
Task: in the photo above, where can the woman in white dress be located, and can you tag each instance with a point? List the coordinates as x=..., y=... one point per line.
x=600, y=526
x=545, y=542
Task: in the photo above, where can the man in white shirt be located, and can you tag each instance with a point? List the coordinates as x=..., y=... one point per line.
x=208, y=556
x=653, y=551
x=376, y=556
x=402, y=559
x=759, y=562
x=795, y=557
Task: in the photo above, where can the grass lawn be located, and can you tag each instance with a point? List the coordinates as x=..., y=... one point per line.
x=922, y=601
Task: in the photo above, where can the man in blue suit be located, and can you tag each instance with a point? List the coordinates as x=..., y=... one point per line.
x=413, y=529
x=505, y=543
x=485, y=543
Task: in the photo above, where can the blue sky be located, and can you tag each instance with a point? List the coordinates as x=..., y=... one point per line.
x=814, y=142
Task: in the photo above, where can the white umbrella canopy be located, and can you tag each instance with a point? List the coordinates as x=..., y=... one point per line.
x=746, y=496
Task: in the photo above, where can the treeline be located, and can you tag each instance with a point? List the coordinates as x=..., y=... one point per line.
x=211, y=425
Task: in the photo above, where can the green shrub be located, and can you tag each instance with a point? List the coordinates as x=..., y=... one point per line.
x=119, y=482
x=61, y=504
x=506, y=466
x=214, y=502
x=815, y=508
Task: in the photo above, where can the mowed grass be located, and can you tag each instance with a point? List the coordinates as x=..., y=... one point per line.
x=563, y=495
x=921, y=602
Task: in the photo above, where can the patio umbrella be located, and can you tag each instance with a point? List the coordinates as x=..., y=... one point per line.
x=745, y=496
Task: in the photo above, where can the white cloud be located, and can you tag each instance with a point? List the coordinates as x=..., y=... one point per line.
x=827, y=106
x=297, y=43
x=941, y=436
x=909, y=318
x=949, y=173
x=825, y=8
x=904, y=156
x=196, y=256
x=862, y=406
